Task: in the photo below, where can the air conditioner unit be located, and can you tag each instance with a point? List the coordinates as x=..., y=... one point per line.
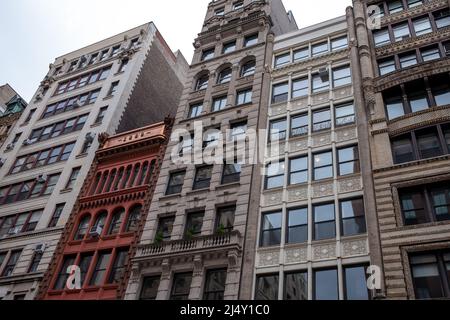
x=27, y=142
x=40, y=248
x=95, y=231
x=14, y=231
x=324, y=74
x=10, y=146
x=42, y=178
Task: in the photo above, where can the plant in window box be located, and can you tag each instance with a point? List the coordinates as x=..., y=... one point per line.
x=159, y=238
x=190, y=234
x=221, y=230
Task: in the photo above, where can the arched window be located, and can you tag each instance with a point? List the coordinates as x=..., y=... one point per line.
x=137, y=168
x=224, y=76
x=248, y=68
x=133, y=218
x=83, y=227
x=202, y=82
x=112, y=176
x=126, y=177
x=119, y=177
x=143, y=174
x=116, y=221
x=95, y=184
x=103, y=182
x=100, y=221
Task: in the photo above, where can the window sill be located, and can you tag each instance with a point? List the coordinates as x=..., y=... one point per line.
x=277, y=189
x=97, y=124
x=192, y=192
x=327, y=180
x=228, y=185
x=66, y=191
x=170, y=196
x=108, y=97
x=81, y=155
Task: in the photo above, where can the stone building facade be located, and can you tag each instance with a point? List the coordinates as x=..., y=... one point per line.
x=313, y=227
x=11, y=108
x=193, y=240
x=106, y=87
x=406, y=87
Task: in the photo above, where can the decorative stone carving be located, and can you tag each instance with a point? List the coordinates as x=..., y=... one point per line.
x=321, y=140
x=347, y=134
x=273, y=198
x=298, y=194
x=299, y=104
x=323, y=190
x=277, y=110
x=354, y=248
x=343, y=92
x=320, y=98
x=350, y=185
x=325, y=251
x=298, y=145
x=296, y=255
x=267, y=259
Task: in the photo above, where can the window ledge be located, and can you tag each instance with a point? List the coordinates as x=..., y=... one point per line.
x=81, y=155
x=228, y=185
x=108, y=97
x=170, y=196
x=277, y=189
x=192, y=192
x=66, y=191
x=97, y=124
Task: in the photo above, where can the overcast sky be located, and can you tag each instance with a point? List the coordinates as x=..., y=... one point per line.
x=34, y=32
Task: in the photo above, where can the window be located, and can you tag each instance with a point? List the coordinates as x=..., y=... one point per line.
x=267, y=287
x=33, y=221
x=176, y=182
x=430, y=274
x=441, y=91
x=150, y=287
x=248, y=68
x=69, y=104
x=229, y=47
x=224, y=76
x=118, y=267
x=319, y=49
x=181, y=286
x=298, y=170
x=215, y=284
x=403, y=150
x=73, y=66
x=220, y=12
x=431, y=53
x=326, y=285
x=57, y=129
x=323, y=165
x=113, y=89
x=84, y=264
x=275, y=175
x=133, y=219
x=301, y=54
x=61, y=280
x=324, y=222
x=407, y=60
x=56, y=215
x=345, y=114
x=296, y=286
x=395, y=6
x=101, y=115
x=195, y=110
x=300, y=87
x=320, y=82
x=355, y=283
x=339, y=43
x=282, y=59
x=30, y=115
x=116, y=221
x=225, y=219
x=165, y=227
x=422, y=26
x=73, y=178
x=83, y=80
x=83, y=227
x=244, y=96
x=231, y=173
x=381, y=37
x=280, y=92
x=194, y=224
x=428, y=143
x=297, y=226
x=442, y=18
x=353, y=217
x=321, y=120
x=251, y=40
x=417, y=97
x=401, y=32
x=93, y=58
x=342, y=76
x=207, y=54
x=299, y=125
x=219, y=103
x=37, y=256
x=386, y=66
x=414, y=3
x=348, y=159
x=238, y=5
x=2, y=258
x=393, y=100
x=277, y=130
x=203, y=177
x=104, y=55
x=11, y=264
x=123, y=65
x=115, y=51
x=238, y=130
x=101, y=267
x=271, y=229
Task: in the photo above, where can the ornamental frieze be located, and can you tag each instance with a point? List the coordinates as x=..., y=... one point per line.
x=413, y=12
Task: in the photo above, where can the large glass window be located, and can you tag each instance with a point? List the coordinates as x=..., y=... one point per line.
x=430, y=53
x=194, y=224
x=320, y=83
x=355, y=283
x=348, y=159
x=381, y=37
x=401, y=32
x=301, y=54
x=342, y=76
x=215, y=284
x=225, y=219
x=60, y=283
x=428, y=143
x=353, y=217
x=321, y=120
x=386, y=66
x=319, y=48
x=176, y=182
x=299, y=125
x=83, y=227
x=323, y=165
x=165, y=227
x=267, y=287
x=402, y=149
x=339, y=43
x=422, y=26
x=300, y=87
x=326, y=285
x=345, y=114
x=118, y=267
x=98, y=276
x=297, y=226
x=408, y=59
x=244, y=96
x=207, y=54
x=229, y=47
x=282, y=59
x=442, y=18
x=296, y=286
x=324, y=221
x=219, y=103
x=203, y=177
x=298, y=170
x=280, y=92
x=271, y=229
x=150, y=286
x=181, y=286
x=275, y=175
x=278, y=129
x=116, y=221
x=251, y=40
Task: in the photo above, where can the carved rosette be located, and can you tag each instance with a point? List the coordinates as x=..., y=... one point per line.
x=296, y=255
x=354, y=248
x=324, y=252
x=267, y=259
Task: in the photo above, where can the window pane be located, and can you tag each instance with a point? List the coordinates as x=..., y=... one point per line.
x=403, y=150
x=299, y=170
x=381, y=37
x=428, y=144
x=426, y=278
x=215, y=285
x=342, y=76
x=320, y=48
x=353, y=217
x=441, y=203
x=356, y=283
x=323, y=166
x=339, y=43
x=267, y=287
x=298, y=226
x=386, y=66
x=413, y=207
x=326, y=285
x=345, y=114
x=408, y=60
x=282, y=59
x=296, y=286
x=321, y=120
x=320, y=83
x=280, y=92
x=149, y=289
x=401, y=32
x=300, y=88
x=100, y=269
x=430, y=54
x=324, y=222
x=301, y=54
x=271, y=233
x=418, y=102
x=194, y=224
x=181, y=286
x=422, y=26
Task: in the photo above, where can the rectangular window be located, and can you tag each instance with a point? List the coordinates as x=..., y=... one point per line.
x=229, y=47
x=345, y=114
x=429, y=277
x=203, y=177
x=275, y=175
x=207, y=54
x=98, y=276
x=348, y=159
x=320, y=83
x=402, y=149
x=225, y=219
x=54, y=130
x=181, y=286
x=113, y=88
x=296, y=286
x=417, y=97
x=83, y=80
x=442, y=18
x=37, y=256
x=60, y=283
x=104, y=55
x=123, y=66
x=238, y=5
x=219, y=12
x=2, y=258
x=70, y=104
x=326, y=285
x=231, y=173
x=430, y=53
x=33, y=220
x=165, y=227
x=73, y=178
x=56, y=215
x=353, y=217
x=395, y=6
x=118, y=267
x=323, y=165
x=215, y=284
x=428, y=143
x=401, y=32
x=298, y=170
x=195, y=110
x=176, y=182
x=244, y=96
x=8, y=270
x=251, y=40
x=393, y=100
x=282, y=59
x=386, y=66
x=341, y=76
x=413, y=206
x=299, y=125
x=300, y=87
x=194, y=224
x=407, y=60
x=271, y=229
x=278, y=130
x=101, y=115
x=414, y=3
x=422, y=26
x=324, y=222
x=301, y=54
x=150, y=286
x=356, y=283
x=321, y=120
x=297, y=226
x=339, y=43
x=219, y=103
x=267, y=287
x=280, y=92
x=319, y=49
x=381, y=37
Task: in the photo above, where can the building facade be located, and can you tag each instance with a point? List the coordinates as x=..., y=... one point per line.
x=107, y=87
x=193, y=240
x=405, y=79
x=11, y=108
x=313, y=241
x=101, y=234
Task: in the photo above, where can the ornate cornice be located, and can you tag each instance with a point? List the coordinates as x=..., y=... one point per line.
x=413, y=12
x=111, y=198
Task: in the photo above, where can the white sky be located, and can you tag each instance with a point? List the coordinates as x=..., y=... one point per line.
x=34, y=32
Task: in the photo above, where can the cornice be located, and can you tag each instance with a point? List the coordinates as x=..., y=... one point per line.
x=413, y=12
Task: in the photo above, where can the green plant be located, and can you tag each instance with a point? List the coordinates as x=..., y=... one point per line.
x=221, y=229
x=189, y=234
x=159, y=237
